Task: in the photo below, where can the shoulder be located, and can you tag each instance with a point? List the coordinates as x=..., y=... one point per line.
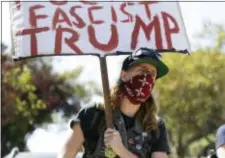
x=86, y=114
x=90, y=110
x=161, y=143
x=160, y=130
x=161, y=123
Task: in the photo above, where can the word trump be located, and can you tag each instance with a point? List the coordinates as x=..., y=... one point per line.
x=86, y=26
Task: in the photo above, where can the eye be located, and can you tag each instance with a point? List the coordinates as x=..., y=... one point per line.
x=147, y=71
x=152, y=72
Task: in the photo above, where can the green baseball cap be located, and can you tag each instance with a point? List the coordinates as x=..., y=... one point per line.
x=146, y=55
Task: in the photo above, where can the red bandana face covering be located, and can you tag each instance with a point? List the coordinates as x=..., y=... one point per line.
x=139, y=88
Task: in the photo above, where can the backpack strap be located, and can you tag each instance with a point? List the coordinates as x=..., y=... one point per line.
x=120, y=125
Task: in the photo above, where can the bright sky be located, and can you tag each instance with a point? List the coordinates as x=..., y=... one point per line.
x=194, y=14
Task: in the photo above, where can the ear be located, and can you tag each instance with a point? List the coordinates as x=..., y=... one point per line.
x=123, y=76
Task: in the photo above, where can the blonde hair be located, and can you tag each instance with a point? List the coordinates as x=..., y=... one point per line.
x=147, y=112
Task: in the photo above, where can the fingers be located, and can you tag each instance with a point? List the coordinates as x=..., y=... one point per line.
x=107, y=140
x=107, y=143
x=108, y=136
x=109, y=130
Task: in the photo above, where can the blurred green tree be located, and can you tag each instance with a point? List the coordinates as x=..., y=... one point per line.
x=31, y=92
x=192, y=95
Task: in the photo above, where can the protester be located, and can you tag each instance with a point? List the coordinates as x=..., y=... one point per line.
x=138, y=131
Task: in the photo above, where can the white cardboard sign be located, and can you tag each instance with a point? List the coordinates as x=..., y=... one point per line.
x=62, y=27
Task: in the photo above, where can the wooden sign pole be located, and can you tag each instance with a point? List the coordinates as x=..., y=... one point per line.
x=106, y=92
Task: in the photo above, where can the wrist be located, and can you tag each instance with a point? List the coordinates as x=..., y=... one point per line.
x=122, y=151
x=125, y=153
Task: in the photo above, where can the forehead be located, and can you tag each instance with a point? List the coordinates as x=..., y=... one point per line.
x=145, y=65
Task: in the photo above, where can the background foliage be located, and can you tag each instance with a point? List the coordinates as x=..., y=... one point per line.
x=192, y=95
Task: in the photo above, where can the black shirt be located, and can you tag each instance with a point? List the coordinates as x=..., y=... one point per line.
x=87, y=115
x=128, y=121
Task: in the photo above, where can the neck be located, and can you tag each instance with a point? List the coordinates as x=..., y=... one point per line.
x=129, y=108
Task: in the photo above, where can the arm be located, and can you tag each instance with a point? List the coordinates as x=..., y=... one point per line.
x=221, y=151
x=159, y=155
x=124, y=153
x=73, y=144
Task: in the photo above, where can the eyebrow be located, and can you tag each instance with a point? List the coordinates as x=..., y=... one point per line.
x=143, y=66
x=147, y=68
